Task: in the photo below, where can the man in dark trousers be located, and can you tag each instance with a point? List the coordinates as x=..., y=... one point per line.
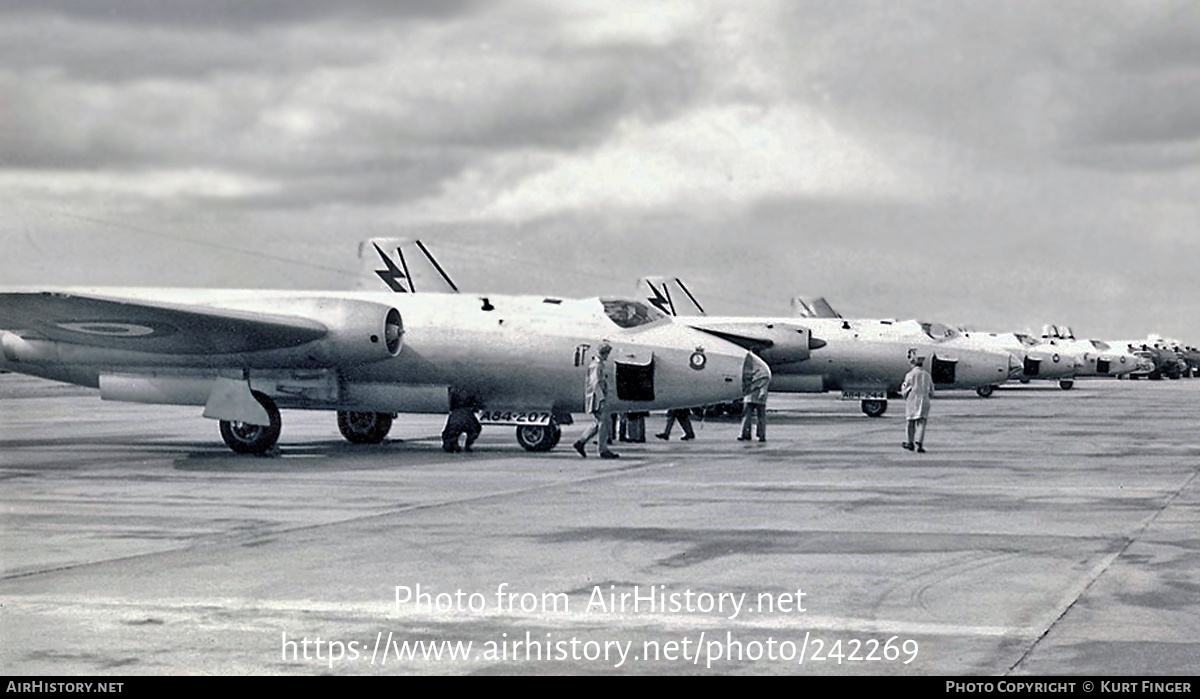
x=755, y=403
x=461, y=420
x=595, y=399
x=684, y=416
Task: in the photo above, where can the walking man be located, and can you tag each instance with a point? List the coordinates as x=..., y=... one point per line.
x=917, y=390
x=595, y=401
x=755, y=403
x=683, y=415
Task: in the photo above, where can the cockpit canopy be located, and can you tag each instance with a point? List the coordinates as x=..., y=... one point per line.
x=1100, y=345
x=1061, y=332
x=631, y=314
x=938, y=331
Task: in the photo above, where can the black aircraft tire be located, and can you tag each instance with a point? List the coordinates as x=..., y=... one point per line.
x=364, y=427
x=874, y=408
x=985, y=391
x=1066, y=384
x=539, y=437
x=253, y=439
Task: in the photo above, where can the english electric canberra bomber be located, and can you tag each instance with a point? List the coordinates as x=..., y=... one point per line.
x=245, y=354
x=864, y=359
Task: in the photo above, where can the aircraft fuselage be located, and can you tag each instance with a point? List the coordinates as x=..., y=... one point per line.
x=516, y=352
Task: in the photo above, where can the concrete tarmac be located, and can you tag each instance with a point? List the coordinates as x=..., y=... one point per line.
x=1045, y=532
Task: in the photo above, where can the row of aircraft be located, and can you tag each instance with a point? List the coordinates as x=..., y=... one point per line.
x=1158, y=357
x=410, y=341
x=367, y=355
x=864, y=362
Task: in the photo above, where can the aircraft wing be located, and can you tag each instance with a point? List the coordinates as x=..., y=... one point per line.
x=150, y=326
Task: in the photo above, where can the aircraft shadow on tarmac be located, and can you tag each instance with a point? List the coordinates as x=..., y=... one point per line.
x=336, y=455
x=332, y=455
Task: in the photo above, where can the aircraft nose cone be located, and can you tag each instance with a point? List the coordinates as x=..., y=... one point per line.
x=754, y=372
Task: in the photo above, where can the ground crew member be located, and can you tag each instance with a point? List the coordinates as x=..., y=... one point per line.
x=917, y=390
x=595, y=400
x=461, y=420
x=684, y=416
x=754, y=405
x=633, y=427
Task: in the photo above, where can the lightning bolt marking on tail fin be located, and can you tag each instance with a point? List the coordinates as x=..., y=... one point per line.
x=392, y=275
x=659, y=301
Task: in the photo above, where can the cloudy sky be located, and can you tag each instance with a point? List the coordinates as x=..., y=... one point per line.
x=1000, y=164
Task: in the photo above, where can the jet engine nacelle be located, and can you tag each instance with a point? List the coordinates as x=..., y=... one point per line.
x=790, y=343
x=360, y=332
x=776, y=343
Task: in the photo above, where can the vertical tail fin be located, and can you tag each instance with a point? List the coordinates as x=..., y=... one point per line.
x=813, y=307
x=670, y=295
x=402, y=265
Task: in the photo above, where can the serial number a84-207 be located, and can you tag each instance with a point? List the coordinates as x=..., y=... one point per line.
x=514, y=417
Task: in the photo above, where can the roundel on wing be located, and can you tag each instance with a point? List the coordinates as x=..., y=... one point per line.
x=117, y=328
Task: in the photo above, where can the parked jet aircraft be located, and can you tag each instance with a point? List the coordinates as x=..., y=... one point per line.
x=1161, y=357
x=865, y=359
x=1191, y=356
x=1038, y=360
x=244, y=354
x=1095, y=357
x=945, y=340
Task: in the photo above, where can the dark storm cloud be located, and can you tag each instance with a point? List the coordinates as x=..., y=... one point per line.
x=93, y=51
x=531, y=100
x=371, y=105
x=1166, y=42
x=958, y=71
x=351, y=106
x=1160, y=109
x=383, y=182
x=232, y=14
x=1141, y=108
x=1013, y=83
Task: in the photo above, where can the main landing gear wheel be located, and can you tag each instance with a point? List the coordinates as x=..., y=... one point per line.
x=364, y=428
x=985, y=391
x=245, y=438
x=1066, y=384
x=539, y=437
x=874, y=408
